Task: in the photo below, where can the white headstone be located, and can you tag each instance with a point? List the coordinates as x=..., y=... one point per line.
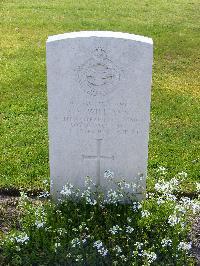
x=99, y=86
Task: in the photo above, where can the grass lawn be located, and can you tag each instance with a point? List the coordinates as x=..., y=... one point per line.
x=175, y=110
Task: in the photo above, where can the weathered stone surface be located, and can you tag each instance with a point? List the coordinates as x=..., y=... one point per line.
x=98, y=106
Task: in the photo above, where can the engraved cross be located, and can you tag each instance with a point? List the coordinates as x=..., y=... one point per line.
x=98, y=158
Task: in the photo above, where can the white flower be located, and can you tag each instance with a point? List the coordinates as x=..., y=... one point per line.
x=150, y=256
x=44, y=194
x=163, y=186
x=138, y=245
x=183, y=174
x=123, y=258
x=79, y=258
x=113, y=197
x=198, y=187
x=40, y=217
x=174, y=182
x=185, y=201
x=84, y=241
x=170, y=197
x=56, y=246
x=75, y=242
x=166, y=242
x=126, y=185
x=145, y=213
x=136, y=206
x=108, y=174
x=92, y=202
x=115, y=229
x=160, y=201
x=162, y=170
x=22, y=238
x=87, y=195
x=133, y=186
x=17, y=248
x=189, y=204
x=66, y=190
x=61, y=231
x=23, y=196
x=173, y=220
x=129, y=219
x=89, y=181
x=195, y=207
x=98, y=244
x=45, y=182
x=183, y=225
x=184, y=246
x=141, y=176
x=181, y=209
x=117, y=249
x=103, y=252
x=150, y=195
x=100, y=248
x=129, y=229
x=39, y=224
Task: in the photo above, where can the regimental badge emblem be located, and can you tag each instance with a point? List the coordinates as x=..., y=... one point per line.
x=98, y=76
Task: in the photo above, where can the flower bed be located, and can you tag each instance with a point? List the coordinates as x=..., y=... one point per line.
x=91, y=228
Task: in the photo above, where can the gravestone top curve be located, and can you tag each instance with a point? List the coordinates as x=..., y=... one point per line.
x=101, y=34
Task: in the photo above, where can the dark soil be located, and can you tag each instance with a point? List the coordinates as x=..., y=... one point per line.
x=195, y=237
x=8, y=213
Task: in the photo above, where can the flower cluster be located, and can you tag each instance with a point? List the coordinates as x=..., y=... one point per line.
x=109, y=175
x=129, y=229
x=75, y=242
x=145, y=213
x=40, y=217
x=184, y=246
x=115, y=229
x=67, y=190
x=85, y=226
x=162, y=170
x=113, y=196
x=100, y=248
x=167, y=187
x=149, y=256
x=88, y=196
x=136, y=206
x=166, y=242
x=20, y=238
